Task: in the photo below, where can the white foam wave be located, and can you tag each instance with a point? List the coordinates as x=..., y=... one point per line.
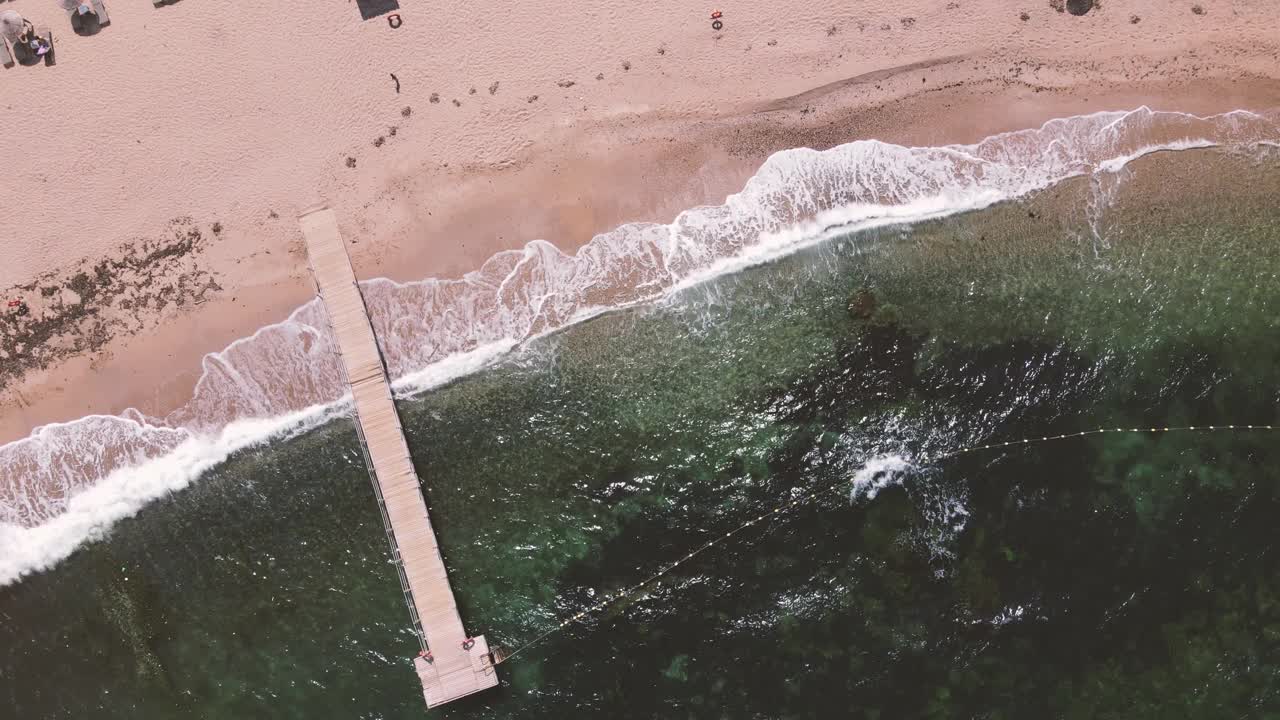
x=1116, y=164
x=90, y=513
x=942, y=508
x=878, y=474
x=452, y=368
x=773, y=246
x=66, y=483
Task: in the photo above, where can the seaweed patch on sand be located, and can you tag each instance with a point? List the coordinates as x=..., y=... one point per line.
x=80, y=309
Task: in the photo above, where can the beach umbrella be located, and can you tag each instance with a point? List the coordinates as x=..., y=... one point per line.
x=74, y=5
x=11, y=25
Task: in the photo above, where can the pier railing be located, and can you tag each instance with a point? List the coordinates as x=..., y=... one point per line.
x=391, y=540
x=453, y=664
x=377, y=493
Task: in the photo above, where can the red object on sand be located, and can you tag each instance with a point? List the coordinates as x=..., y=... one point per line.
x=15, y=303
x=715, y=14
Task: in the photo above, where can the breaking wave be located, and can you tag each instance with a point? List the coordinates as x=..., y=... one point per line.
x=67, y=483
x=877, y=474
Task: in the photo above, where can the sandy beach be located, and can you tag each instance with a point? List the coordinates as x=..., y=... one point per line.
x=170, y=153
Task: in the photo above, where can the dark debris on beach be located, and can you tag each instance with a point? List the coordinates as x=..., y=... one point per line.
x=79, y=310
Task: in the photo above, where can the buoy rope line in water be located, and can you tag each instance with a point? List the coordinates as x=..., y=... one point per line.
x=636, y=589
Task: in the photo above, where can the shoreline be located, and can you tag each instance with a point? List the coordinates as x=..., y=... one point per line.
x=716, y=160
x=704, y=418
x=75, y=494
x=677, y=129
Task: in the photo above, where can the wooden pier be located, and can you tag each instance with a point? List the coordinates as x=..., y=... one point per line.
x=453, y=664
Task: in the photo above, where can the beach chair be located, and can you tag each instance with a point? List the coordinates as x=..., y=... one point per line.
x=92, y=22
x=44, y=32
x=22, y=52
x=27, y=57
x=6, y=58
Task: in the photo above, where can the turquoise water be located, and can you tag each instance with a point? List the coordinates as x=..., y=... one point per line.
x=1111, y=576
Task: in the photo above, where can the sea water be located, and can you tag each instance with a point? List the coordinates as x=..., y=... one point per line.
x=1115, y=575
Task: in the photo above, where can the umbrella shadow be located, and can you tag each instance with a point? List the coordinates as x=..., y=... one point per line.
x=25, y=56
x=86, y=25
x=370, y=9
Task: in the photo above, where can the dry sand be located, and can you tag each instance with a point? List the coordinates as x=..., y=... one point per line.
x=178, y=144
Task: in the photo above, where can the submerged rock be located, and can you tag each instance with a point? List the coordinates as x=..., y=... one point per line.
x=862, y=305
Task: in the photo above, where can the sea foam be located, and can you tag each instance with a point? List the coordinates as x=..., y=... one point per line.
x=67, y=483
x=877, y=474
